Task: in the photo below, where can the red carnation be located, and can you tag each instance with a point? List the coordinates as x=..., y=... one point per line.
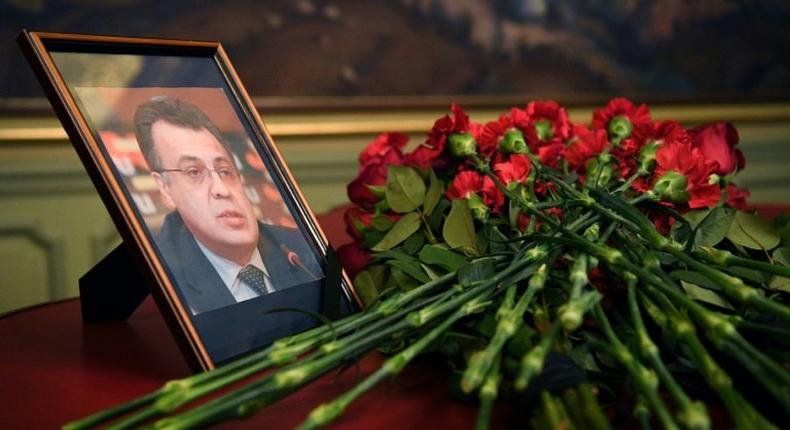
x=464, y=185
x=549, y=113
x=588, y=144
x=620, y=107
x=516, y=169
x=381, y=147
x=718, y=142
x=683, y=174
x=550, y=152
x=492, y=195
x=468, y=184
x=430, y=153
x=492, y=132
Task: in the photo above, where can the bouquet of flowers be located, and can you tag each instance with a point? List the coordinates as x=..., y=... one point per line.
x=620, y=252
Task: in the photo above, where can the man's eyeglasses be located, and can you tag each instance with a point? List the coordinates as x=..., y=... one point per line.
x=197, y=175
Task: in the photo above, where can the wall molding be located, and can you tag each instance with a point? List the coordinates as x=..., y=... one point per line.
x=53, y=246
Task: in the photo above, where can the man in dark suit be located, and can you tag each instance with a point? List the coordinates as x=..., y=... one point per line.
x=217, y=251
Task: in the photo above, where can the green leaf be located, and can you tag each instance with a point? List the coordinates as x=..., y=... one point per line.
x=750, y=274
x=405, y=190
x=780, y=283
x=459, y=229
x=694, y=278
x=478, y=270
x=411, y=268
x=413, y=244
x=435, y=220
x=698, y=293
x=681, y=232
x=782, y=256
x=405, y=227
x=433, y=195
x=431, y=273
x=714, y=227
x=371, y=237
x=442, y=257
x=382, y=222
x=404, y=280
x=368, y=283
x=696, y=217
x=753, y=232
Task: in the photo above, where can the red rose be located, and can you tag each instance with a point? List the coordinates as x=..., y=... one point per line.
x=381, y=147
x=718, y=143
x=354, y=258
x=736, y=197
x=357, y=221
x=358, y=190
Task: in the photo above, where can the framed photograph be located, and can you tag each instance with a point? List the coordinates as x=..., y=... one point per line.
x=205, y=204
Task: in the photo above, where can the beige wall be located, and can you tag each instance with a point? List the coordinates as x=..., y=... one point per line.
x=53, y=227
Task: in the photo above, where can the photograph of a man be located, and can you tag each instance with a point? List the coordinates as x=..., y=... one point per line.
x=215, y=247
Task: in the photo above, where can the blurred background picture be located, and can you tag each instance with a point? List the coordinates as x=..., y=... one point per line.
x=570, y=50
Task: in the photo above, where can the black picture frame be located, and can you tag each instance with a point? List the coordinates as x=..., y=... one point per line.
x=94, y=103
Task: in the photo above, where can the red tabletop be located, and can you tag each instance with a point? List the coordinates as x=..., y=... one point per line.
x=54, y=369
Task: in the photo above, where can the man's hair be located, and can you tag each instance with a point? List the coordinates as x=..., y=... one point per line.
x=175, y=112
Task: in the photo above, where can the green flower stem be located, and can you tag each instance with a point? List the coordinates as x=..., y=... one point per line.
x=533, y=360
x=512, y=319
x=727, y=259
x=691, y=415
x=261, y=393
x=108, y=414
x=642, y=412
x=645, y=379
x=723, y=336
x=178, y=392
x=488, y=394
x=595, y=417
x=328, y=412
x=743, y=414
x=554, y=413
x=770, y=329
x=731, y=286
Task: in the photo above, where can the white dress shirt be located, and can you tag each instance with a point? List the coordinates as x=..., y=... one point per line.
x=228, y=271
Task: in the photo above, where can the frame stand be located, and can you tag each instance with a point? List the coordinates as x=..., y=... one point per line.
x=112, y=289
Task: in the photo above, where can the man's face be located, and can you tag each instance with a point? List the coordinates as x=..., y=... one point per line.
x=215, y=210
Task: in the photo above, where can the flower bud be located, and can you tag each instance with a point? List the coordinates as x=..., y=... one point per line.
x=478, y=208
x=672, y=187
x=647, y=156
x=513, y=143
x=619, y=128
x=463, y=145
x=544, y=130
x=600, y=170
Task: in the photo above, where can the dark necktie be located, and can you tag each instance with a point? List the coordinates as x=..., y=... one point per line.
x=255, y=278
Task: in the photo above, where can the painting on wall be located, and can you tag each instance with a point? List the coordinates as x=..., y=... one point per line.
x=571, y=50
